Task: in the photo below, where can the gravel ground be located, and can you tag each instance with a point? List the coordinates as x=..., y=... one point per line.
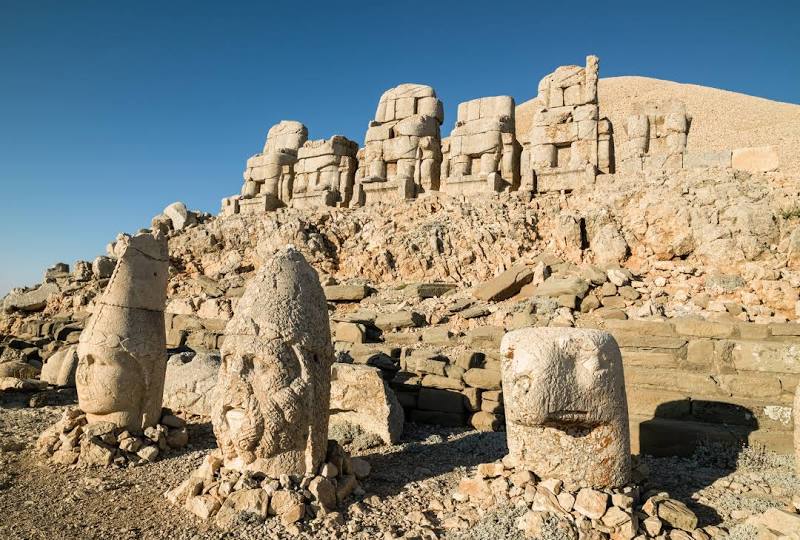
x=407, y=493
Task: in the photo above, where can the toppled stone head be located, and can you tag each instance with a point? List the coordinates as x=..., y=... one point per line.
x=274, y=380
x=122, y=351
x=565, y=405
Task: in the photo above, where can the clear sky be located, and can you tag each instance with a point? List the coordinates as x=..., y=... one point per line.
x=111, y=110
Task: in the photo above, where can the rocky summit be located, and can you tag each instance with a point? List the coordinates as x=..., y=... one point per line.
x=572, y=318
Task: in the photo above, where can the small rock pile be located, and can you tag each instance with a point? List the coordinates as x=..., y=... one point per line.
x=72, y=440
x=554, y=509
x=227, y=494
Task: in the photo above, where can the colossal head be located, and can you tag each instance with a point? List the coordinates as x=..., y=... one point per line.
x=565, y=404
x=122, y=352
x=274, y=380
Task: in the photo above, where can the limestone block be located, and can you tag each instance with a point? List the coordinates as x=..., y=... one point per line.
x=796, y=414
x=274, y=381
x=565, y=405
x=103, y=267
x=346, y=293
x=190, y=382
x=360, y=396
x=505, y=285
x=122, y=351
x=698, y=160
x=755, y=159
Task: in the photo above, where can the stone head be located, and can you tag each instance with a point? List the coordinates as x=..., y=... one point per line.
x=274, y=380
x=562, y=376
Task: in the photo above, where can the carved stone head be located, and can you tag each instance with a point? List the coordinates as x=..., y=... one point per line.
x=122, y=351
x=274, y=380
x=565, y=404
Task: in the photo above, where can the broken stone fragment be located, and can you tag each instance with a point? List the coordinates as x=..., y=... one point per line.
x=360, y=396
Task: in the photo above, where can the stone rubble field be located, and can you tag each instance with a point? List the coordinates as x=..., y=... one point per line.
x=414, y=340
x=409, y=493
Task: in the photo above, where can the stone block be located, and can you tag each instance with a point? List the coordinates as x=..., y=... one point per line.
x=505, y=285
x=775, y=357
x=755, y=159
x=346, y=293
x=640, y=341
x=485, y=337
x=650, y=358
x=721, y=159
x=434, y=399
x=708, y=329
x=399, y=319
x=485, y=379
x=639, y=326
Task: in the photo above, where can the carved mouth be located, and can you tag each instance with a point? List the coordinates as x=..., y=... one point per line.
x=567, y=416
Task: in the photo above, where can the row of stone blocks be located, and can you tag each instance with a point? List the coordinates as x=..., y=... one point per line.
x=721, y=379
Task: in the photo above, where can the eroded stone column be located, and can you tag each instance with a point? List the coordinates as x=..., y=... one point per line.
x=122, y=352
x=566, y=412
x=274, y=380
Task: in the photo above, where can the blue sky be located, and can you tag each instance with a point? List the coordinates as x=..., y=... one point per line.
x=109, y=110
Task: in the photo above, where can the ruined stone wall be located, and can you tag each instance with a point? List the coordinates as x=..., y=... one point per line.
x=690, y=380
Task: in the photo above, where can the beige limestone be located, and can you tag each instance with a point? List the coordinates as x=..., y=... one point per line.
x=324, y=173
x=562, y=153
x=122, y=352
x=565, y=405
x=59, y=369
x=274, y=380
x=482, y=153
x=269, y=175
x=402, y=154
x=656, y=137
x=758, y=159
x=796, y=413
x=360, y=396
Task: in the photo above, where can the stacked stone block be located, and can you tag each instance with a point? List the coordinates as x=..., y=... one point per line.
x=324, y=173
x=268, y=175
x=691, y=380
x=402, y=155
x=563, y=152
x=482, y=154
x=656, y=137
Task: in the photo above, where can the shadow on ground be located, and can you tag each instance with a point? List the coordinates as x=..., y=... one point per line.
x=424, y=455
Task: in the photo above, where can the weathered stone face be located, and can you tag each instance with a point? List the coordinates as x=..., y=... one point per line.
x=565, y=405
x=274, y=383
x=122, y=351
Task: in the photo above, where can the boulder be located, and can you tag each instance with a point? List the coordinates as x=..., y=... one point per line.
x=190, y=382
x=180, y=216
x=59, y=369
x=20, y=370
x=103, y=267
x=360, y=396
